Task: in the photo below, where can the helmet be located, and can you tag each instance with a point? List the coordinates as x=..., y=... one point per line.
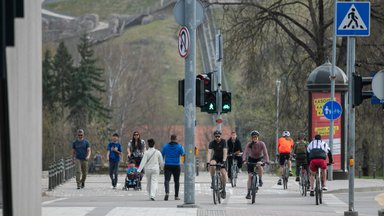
x=286, y=133
x=217, y=132
x=255, y=133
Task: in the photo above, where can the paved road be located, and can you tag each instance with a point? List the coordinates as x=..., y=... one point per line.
x=98, y=198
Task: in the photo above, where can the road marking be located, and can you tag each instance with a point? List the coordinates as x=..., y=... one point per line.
x=380, y=199
x=66, y=211
x=332, y=200
x=52, y=201
x=122, y=211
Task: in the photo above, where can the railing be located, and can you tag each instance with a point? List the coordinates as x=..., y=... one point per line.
x=60, y=171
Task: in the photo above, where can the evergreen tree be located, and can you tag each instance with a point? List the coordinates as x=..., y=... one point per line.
x=49, y=98
x=86, y=84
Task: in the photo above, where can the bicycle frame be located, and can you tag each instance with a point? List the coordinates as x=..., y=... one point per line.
x=318, y=187
x=233, y=169
x=303, y=182
x=217, y=184
x=254, y=180
x=285, y=175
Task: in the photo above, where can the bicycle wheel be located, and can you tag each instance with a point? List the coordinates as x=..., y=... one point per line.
x=305, y=183
x=214, y=190
x=253, y=188
x=301, y=183
x=317, y=189
x=233, y=176
x=219, y=188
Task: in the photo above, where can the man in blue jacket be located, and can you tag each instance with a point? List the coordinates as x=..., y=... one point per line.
x=172, y=152
x=113, y=156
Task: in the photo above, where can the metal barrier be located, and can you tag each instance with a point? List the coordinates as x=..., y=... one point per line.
x=60, y=171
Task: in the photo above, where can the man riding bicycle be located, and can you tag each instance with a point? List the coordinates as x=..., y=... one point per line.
x=217, y=153
x=234, y=152
x=318, y=151
x=300, y=153
x=255, y=151
x=284, y=146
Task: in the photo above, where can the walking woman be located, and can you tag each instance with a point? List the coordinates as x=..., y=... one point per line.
x=136, y=148
x=151, y=163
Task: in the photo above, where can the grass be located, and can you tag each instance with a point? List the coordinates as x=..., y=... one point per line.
x=103, y=8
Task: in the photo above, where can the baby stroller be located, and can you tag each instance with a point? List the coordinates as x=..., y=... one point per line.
x=133, y=181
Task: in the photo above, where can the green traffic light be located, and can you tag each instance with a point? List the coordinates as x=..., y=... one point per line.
x=226, y=107
x=211, y=106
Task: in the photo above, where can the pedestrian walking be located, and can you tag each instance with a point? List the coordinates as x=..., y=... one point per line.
x=172, y=152
x=113, y=156
x=136, y=148
x=151, y=162
x=81, y=151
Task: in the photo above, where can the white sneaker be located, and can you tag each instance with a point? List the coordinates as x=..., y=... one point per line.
x=325, y=188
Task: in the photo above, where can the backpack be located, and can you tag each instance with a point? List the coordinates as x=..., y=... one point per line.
x=301, y=150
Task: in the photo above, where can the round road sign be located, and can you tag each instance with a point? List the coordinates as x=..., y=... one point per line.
x=219, y=121
x=378, y=85
x=184, y=42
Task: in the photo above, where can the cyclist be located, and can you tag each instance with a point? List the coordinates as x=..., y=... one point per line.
x=318, y=151
x=217, y=153
x=254, y=152
x=300, y=153
x=284, y=146
x=234, y=151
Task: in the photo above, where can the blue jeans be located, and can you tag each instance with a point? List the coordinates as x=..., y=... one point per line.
x=114, y=171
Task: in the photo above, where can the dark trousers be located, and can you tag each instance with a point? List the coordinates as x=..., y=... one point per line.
x=175, y=171
x=113, y=171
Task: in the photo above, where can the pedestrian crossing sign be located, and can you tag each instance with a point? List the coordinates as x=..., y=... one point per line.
x=353, y=18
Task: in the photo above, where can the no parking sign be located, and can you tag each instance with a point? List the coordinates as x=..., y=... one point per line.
x=184, y=42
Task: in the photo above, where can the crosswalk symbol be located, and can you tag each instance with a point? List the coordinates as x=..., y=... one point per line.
x=352, y=20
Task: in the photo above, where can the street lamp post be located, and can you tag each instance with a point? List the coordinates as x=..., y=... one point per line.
x=277, y=111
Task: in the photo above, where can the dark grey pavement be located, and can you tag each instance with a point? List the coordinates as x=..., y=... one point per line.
x=98, y=198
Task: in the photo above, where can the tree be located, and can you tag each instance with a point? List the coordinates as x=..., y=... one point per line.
x=48, y=82
x=84, y=101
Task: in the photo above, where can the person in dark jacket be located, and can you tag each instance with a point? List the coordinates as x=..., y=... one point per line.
x=172, y=152
x=234, y=152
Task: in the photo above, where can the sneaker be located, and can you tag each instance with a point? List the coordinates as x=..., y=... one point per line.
x=279, y=182
x=239, y=171
x=297, y=178
x=325, y=188
x=248, y=196
x=82, y=185
x=153, y=199
x=177, y=198
x=166, y=197
x=223, y=194
x=290, y=173
x=260, y=183
x=78, y=187
x=312, y=193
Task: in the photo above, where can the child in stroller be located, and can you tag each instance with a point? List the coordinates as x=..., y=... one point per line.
x=132, y=180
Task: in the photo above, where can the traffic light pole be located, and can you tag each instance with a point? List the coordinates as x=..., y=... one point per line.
x=189, y=106
x=351, y=126
x=219, y=57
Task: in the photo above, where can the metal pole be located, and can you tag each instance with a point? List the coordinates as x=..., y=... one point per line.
x=189, y=105
x=351, y=125
x=277, y=112
x=332, y=77
x=219, y=54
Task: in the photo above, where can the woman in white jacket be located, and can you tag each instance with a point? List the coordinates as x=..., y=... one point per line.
x=152, y=162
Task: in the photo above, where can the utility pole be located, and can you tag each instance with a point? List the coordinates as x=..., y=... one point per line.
x=277, y=113
x=219, y=57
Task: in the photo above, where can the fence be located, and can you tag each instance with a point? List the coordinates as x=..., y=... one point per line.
x=60, y=171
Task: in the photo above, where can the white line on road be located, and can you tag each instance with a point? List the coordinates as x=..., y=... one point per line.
x=66, y=211
x=122, y=211
x=52, y=201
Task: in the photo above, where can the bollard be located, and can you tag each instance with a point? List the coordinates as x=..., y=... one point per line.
x=359, y=170
x=50, y=175
x=374, y=171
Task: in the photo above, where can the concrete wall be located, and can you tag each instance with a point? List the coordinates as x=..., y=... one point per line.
x=24, y=63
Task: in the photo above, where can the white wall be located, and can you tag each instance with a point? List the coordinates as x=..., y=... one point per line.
x=24, y=63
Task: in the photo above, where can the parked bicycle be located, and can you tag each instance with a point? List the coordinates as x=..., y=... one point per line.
x=255, y=180
x=303, y=180
x=217, y=186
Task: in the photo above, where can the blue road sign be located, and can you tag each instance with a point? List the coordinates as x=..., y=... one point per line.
x=375, y=100
x=353, y=18
x=332, y=110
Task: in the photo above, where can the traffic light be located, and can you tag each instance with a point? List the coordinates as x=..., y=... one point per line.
x=358, y=93
x=226, y=102
x=199, y=93
x=209, y=102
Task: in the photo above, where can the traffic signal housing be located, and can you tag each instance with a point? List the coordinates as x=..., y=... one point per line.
x=358, y=93
x=199, y=93
x=226, y=102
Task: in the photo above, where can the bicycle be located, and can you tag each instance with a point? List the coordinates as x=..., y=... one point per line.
x=217, y=184
x=303, y=180
x=255, y=180
x=285, y=174
x=234, y=169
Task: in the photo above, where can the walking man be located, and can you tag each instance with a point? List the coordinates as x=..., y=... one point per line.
x=113, y=156
x=81, y=151
x=172, y=152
